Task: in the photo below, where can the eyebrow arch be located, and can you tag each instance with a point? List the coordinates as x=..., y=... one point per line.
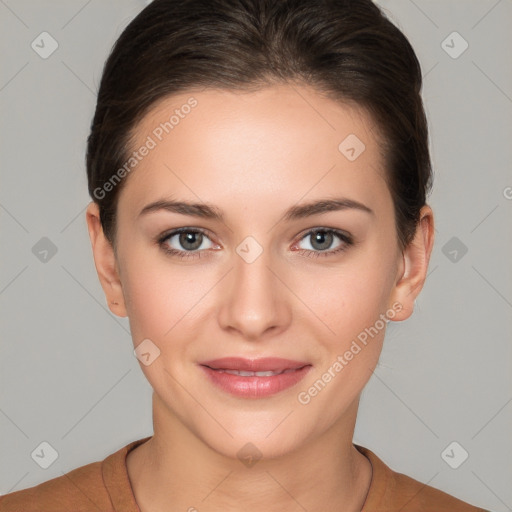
x=208, y=211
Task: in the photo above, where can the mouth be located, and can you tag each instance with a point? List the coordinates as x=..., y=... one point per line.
x=242, y=373
x=254, y=378
x=262, y=367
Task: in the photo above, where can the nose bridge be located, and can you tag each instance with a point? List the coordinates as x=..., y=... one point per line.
x=254, y=302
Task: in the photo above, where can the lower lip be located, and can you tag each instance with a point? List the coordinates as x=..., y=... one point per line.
x=255, y=387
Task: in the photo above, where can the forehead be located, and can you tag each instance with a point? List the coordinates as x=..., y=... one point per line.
x=282, y=141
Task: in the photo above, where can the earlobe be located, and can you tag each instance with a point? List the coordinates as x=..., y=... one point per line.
x=105, y=262
x=414, y=266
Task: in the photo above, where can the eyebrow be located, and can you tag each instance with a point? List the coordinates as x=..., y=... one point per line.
x=208, y=211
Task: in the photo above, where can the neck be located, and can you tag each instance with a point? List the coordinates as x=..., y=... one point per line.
x=176, y=471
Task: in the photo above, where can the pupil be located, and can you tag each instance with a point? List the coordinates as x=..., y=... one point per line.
x=186, y=238
x=321, y=237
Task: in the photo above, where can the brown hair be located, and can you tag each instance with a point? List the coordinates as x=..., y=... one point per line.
x=346, y=49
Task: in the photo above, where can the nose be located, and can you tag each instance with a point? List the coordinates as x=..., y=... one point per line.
x=255, y=300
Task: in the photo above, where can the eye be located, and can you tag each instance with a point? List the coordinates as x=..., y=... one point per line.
x=189, y=242
x=184, y=242
x=322, y=239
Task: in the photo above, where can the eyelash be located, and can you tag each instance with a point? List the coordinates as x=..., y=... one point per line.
x=348, y=241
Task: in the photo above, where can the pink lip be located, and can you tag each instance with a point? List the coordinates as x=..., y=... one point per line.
x=254, y=386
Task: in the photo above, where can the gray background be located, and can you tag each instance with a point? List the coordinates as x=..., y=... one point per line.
x=68, y=373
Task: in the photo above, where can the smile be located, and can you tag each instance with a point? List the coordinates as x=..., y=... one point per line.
x=254, y=374
x=254, y=384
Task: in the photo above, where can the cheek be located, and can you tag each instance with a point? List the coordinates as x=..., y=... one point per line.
x=151, y=297
x=160, y=298
x=350, y=301
x=350, y=298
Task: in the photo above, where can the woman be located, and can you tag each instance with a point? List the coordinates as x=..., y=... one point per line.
x=259, y=173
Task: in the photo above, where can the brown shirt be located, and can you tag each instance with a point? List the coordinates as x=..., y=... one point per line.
x=105, y=486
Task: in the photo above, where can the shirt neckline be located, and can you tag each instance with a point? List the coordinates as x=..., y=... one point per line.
x=117, y=482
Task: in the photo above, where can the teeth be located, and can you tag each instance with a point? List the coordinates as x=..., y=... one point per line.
x=243, y=373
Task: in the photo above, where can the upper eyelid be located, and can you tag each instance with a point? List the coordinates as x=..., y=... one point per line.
x=336, y=231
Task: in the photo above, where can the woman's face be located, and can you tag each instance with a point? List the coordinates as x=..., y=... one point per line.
x=255, y=282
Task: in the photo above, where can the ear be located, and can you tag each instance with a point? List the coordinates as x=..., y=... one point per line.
x=412, y=270
x=105, y=262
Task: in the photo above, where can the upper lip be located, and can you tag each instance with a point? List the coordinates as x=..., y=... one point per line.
x=273, y=364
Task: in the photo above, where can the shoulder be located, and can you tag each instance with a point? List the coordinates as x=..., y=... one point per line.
x=102, y=485
x=80, y=490
x=393, y=491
